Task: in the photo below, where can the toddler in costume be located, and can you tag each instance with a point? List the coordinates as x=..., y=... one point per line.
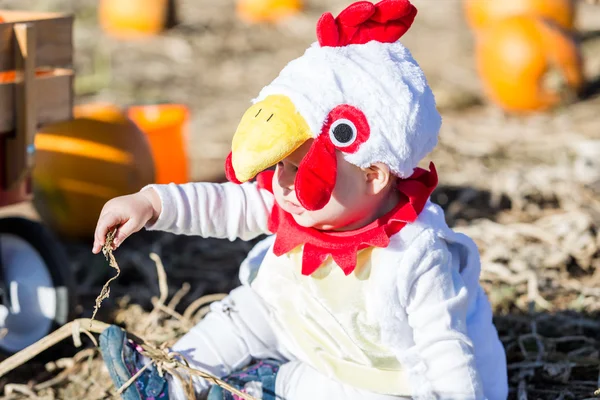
x=361, y=290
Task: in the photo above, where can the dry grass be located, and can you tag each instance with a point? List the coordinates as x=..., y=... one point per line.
x=84, y=376
x=108, y=253
x=527, y=189
x=538, y=232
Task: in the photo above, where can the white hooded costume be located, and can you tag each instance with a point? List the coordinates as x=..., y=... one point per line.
x=394, y=309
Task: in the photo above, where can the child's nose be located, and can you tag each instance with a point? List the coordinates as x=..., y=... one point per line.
x=286, y=179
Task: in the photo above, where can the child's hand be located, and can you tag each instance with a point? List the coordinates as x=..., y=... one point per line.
x=128, y=214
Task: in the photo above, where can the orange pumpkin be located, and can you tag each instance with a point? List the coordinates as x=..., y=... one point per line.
x=83, y=163
x=482, y=13
x=130, y=19
x=515, y=57
x=256, y=11
x=1, y=19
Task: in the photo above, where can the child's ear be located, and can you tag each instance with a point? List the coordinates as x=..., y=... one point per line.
x=378, y=177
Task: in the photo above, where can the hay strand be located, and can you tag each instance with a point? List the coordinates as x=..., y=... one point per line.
x=72, y=329
x=108, y=253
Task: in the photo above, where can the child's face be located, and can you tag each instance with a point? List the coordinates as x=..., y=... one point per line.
x=354, y=197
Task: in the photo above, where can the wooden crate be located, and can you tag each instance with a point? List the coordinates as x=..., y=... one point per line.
x=32, y=42
x=53, y=99
x=53, y=38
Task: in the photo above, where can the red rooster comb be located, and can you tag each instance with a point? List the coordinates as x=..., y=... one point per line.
x=364, y=21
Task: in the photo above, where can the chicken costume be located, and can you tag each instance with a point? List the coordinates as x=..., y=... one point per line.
x=393, y=309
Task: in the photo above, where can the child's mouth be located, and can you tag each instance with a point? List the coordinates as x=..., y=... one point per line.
x=293, y=208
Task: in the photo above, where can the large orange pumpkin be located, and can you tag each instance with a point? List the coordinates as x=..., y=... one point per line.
x=481, y=13
x=130, y=19
x=515, y=57
x=256, y=11
x=83, y=163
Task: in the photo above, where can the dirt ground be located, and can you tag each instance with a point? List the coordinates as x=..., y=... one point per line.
x=527, y=189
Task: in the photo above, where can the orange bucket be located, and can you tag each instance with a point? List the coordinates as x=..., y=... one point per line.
x=165, y=126
x=101, y=111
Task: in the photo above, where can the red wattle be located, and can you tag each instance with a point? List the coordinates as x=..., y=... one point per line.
x=316, y=175
x=229, y=171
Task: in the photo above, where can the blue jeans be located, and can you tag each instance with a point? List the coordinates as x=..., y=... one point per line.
x=257, y=380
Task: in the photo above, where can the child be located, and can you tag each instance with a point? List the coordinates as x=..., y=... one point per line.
x=362, y=291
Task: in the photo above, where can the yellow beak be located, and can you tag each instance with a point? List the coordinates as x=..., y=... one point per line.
x=269, y=131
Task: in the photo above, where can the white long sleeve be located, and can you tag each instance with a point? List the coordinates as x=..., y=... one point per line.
x=437, y=313
x=214, y=210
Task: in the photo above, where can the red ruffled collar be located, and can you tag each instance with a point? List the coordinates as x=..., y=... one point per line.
x=343, y=247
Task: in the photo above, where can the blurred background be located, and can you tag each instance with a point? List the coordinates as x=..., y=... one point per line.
x=166, y=82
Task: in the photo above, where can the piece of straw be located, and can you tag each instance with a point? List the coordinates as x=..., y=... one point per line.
x=108, y=253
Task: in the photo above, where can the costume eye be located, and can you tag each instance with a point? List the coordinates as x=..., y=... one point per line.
x=343, y=133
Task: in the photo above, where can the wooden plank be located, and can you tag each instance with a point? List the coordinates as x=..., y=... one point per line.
x=54, y=39
x=19, y=148
x=27, y=16
x=54, y=97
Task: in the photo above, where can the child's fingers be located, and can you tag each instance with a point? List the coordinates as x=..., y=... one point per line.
x=124, y=231
x=105, y=222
